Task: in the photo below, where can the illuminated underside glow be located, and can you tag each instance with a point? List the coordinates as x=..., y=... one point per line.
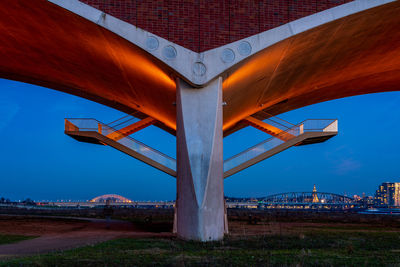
x=44, y=44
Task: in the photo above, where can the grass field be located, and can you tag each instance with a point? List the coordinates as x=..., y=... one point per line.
x=7, y=239
x=318, y=247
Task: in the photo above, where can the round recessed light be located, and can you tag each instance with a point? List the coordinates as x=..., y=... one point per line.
x=244, y=48
x=169, y=52
x=199, y=69
x=227, y=55
x=152, y=43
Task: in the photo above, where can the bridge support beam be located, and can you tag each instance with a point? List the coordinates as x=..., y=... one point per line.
x=200, y=194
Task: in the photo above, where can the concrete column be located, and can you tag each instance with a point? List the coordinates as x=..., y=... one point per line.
x=200, y=192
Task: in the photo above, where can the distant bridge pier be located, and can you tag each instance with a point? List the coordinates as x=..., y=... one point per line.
x=200, y=194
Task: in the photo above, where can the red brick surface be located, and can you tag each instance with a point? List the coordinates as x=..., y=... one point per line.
x=151, y=15
x=201, y=25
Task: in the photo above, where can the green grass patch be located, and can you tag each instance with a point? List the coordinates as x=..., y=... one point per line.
x=7, y=239
x=310, y=249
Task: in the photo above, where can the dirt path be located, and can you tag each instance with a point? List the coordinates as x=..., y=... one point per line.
x=61, y=234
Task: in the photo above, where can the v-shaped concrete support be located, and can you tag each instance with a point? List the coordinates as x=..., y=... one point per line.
x=200, y=193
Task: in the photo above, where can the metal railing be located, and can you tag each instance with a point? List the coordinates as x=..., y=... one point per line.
x=93, y=125
x=329, y=125
x=277, y=122
x=314, y=125
x=124, y=121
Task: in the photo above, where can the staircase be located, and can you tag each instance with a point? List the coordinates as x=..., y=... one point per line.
x=93, y=131
x=305, y=133
x=284, y=135
x=268, y=127
x=130, y=129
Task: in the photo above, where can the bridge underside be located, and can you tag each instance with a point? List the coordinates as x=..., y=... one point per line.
x=44, y=44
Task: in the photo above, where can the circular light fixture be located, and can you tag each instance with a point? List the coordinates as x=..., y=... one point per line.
x=227, y=55
x=169, y=52
x=199, y=69
x=244, y=48
x=152, y=43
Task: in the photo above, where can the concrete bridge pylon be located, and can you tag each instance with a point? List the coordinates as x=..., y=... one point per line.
x=200, y=192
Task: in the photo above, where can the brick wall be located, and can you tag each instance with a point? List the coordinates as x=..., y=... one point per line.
x=201, y=25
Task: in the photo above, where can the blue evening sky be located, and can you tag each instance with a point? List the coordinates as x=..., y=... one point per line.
x=38, y=161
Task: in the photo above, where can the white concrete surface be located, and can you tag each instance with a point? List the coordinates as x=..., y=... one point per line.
x=200, y=193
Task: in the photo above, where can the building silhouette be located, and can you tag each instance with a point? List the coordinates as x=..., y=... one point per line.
x=388, y=194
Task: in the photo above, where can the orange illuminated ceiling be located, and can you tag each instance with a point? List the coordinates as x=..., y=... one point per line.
x=358, y=54
x=44, y=44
